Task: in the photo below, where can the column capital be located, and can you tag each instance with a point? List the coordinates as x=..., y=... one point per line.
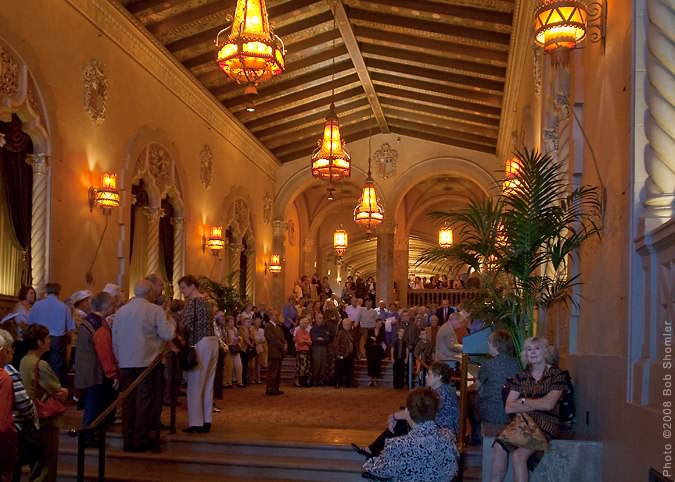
x=279, y=227
x=152, y=214
x=39, y=162
x=178, y=221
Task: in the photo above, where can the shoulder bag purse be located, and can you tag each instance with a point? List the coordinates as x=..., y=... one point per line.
x=50, y=407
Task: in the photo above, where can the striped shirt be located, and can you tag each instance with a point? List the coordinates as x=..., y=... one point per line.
x=23, y=410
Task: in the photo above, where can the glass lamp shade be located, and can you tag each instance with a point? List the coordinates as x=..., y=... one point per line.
x=330, y=160
x=369, y=212
x=107, y=196
x=275, y=264
x=340, y=241
x=216, y=242
x=511, y=173
x=560, y=24
x=252, y=53
x=445, y=237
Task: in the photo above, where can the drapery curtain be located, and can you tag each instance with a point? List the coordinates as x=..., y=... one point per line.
x=166, y=233
x=16, y=178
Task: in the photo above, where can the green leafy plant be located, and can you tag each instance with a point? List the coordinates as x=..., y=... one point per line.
x=226, y=297
x=520, y=243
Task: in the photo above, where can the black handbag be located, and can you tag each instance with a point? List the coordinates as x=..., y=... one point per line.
x=30, y=446
x=187, y=358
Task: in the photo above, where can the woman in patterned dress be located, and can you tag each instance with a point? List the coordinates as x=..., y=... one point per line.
x=198, y=323
x=303, y=342
x=536, y=392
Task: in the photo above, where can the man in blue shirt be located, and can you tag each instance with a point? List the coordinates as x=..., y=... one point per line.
x=55, y=315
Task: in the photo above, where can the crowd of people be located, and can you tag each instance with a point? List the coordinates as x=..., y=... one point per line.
x=109, y=342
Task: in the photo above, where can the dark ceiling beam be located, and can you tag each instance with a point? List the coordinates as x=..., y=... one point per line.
x=347, y=132
x=316, y=131
x=344, y=24
x=411, y=103
x=271, y=119
x=475, y=16
x=271, y=104
x=442, y=121
x=440, y=100
x=436, y=60
x=480, y=88
x=420, y=132
x=413, y=24
x=209, y=35
x=153, y=5
x=318, y=116
x=291, y=66
x=464, y=131
x=476, y=98
x=457, y=49
x=291, y=83
x=189, y=16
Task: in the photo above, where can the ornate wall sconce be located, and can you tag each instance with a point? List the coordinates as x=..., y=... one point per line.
x=107, y=196
x=274, y=266
x=215, y=242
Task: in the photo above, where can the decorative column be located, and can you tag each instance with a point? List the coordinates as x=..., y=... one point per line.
x=152, y=215
x=660, y=118
x=234, y=251
x=178, y=252
x=278, y=282
x=39, y=221
x=250, y=270
x=308, y=257
x=385, y=263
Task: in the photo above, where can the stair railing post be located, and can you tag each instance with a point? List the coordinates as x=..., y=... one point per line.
x=101, y=452
x=173, y=359
x=80, y=456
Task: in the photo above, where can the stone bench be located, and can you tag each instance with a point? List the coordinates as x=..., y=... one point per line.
x=570, y=458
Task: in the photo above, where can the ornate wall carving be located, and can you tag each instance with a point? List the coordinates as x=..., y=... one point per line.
x=267, y=207
x=385, y=159
x=9, y=73
x=206, y=166
x=95, y=91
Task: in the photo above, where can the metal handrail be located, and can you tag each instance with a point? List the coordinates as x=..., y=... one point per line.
x=96, y=424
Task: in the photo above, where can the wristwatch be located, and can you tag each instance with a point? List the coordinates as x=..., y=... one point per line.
x=522, y=401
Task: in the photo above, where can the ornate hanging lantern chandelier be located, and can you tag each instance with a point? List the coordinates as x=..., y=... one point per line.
x=330, y=160
x=340, y=241
x=369, y=213
x=445, y=237
x=252, y=53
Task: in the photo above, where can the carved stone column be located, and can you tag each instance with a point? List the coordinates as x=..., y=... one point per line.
x=152, y=260
x=250, y=271
x=660, y=118
x=308, y=257
x=234, y=251
x=39, y=233
x=278, y=281
x=178, y=252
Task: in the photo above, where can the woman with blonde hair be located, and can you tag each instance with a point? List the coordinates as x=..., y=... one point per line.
x=533, y=397
x=303, y=342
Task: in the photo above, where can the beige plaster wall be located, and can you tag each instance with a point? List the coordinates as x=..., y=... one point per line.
x=58, y=43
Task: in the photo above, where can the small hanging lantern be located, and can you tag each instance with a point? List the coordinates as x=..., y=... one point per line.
x=340, y=241
x=330, y=160
x=445, y=237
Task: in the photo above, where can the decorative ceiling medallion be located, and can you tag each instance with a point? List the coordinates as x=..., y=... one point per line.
x=95, y=91
x=385, y=158
x=9, y=74
x=206, y=166
x=267, y=207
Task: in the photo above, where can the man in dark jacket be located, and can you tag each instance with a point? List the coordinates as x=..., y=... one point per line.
x=276, y=348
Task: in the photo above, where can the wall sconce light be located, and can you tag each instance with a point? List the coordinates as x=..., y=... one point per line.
x=215, y=242
x=274, y=266
x=107, y=196
x=561, y=25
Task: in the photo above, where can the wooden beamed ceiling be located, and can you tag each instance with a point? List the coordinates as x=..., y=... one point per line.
x=436, y=68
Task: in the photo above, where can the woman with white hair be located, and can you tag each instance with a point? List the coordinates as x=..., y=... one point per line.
x=533, y=397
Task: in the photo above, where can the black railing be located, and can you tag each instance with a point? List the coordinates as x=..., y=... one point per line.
x=98, y=427
x=436, y=296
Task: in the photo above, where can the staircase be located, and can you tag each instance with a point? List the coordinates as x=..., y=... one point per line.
x=361, y=377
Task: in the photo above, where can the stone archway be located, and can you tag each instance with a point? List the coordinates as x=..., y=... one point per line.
x=20, y=94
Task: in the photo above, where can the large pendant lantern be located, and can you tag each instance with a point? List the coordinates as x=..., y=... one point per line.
x=330, y=160
x=445, y=236
x=252, y=53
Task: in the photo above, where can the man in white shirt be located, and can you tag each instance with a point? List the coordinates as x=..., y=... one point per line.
x=139, y=333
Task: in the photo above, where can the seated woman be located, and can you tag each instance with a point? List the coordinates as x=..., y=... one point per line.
x=486, y=392
x=426, y=454
x=447, y=415
x=533, y=397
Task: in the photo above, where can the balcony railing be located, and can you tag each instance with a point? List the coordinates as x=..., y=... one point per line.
x=434, y=297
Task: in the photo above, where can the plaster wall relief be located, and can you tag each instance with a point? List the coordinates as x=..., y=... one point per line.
x=206, y=166
x=267, y=207
x=660, y=118
x=95, y=91
x=386, y=159
x=20, y=94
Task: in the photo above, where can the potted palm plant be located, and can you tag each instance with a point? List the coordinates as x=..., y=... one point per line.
x=225, y=297
x=520, y=242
